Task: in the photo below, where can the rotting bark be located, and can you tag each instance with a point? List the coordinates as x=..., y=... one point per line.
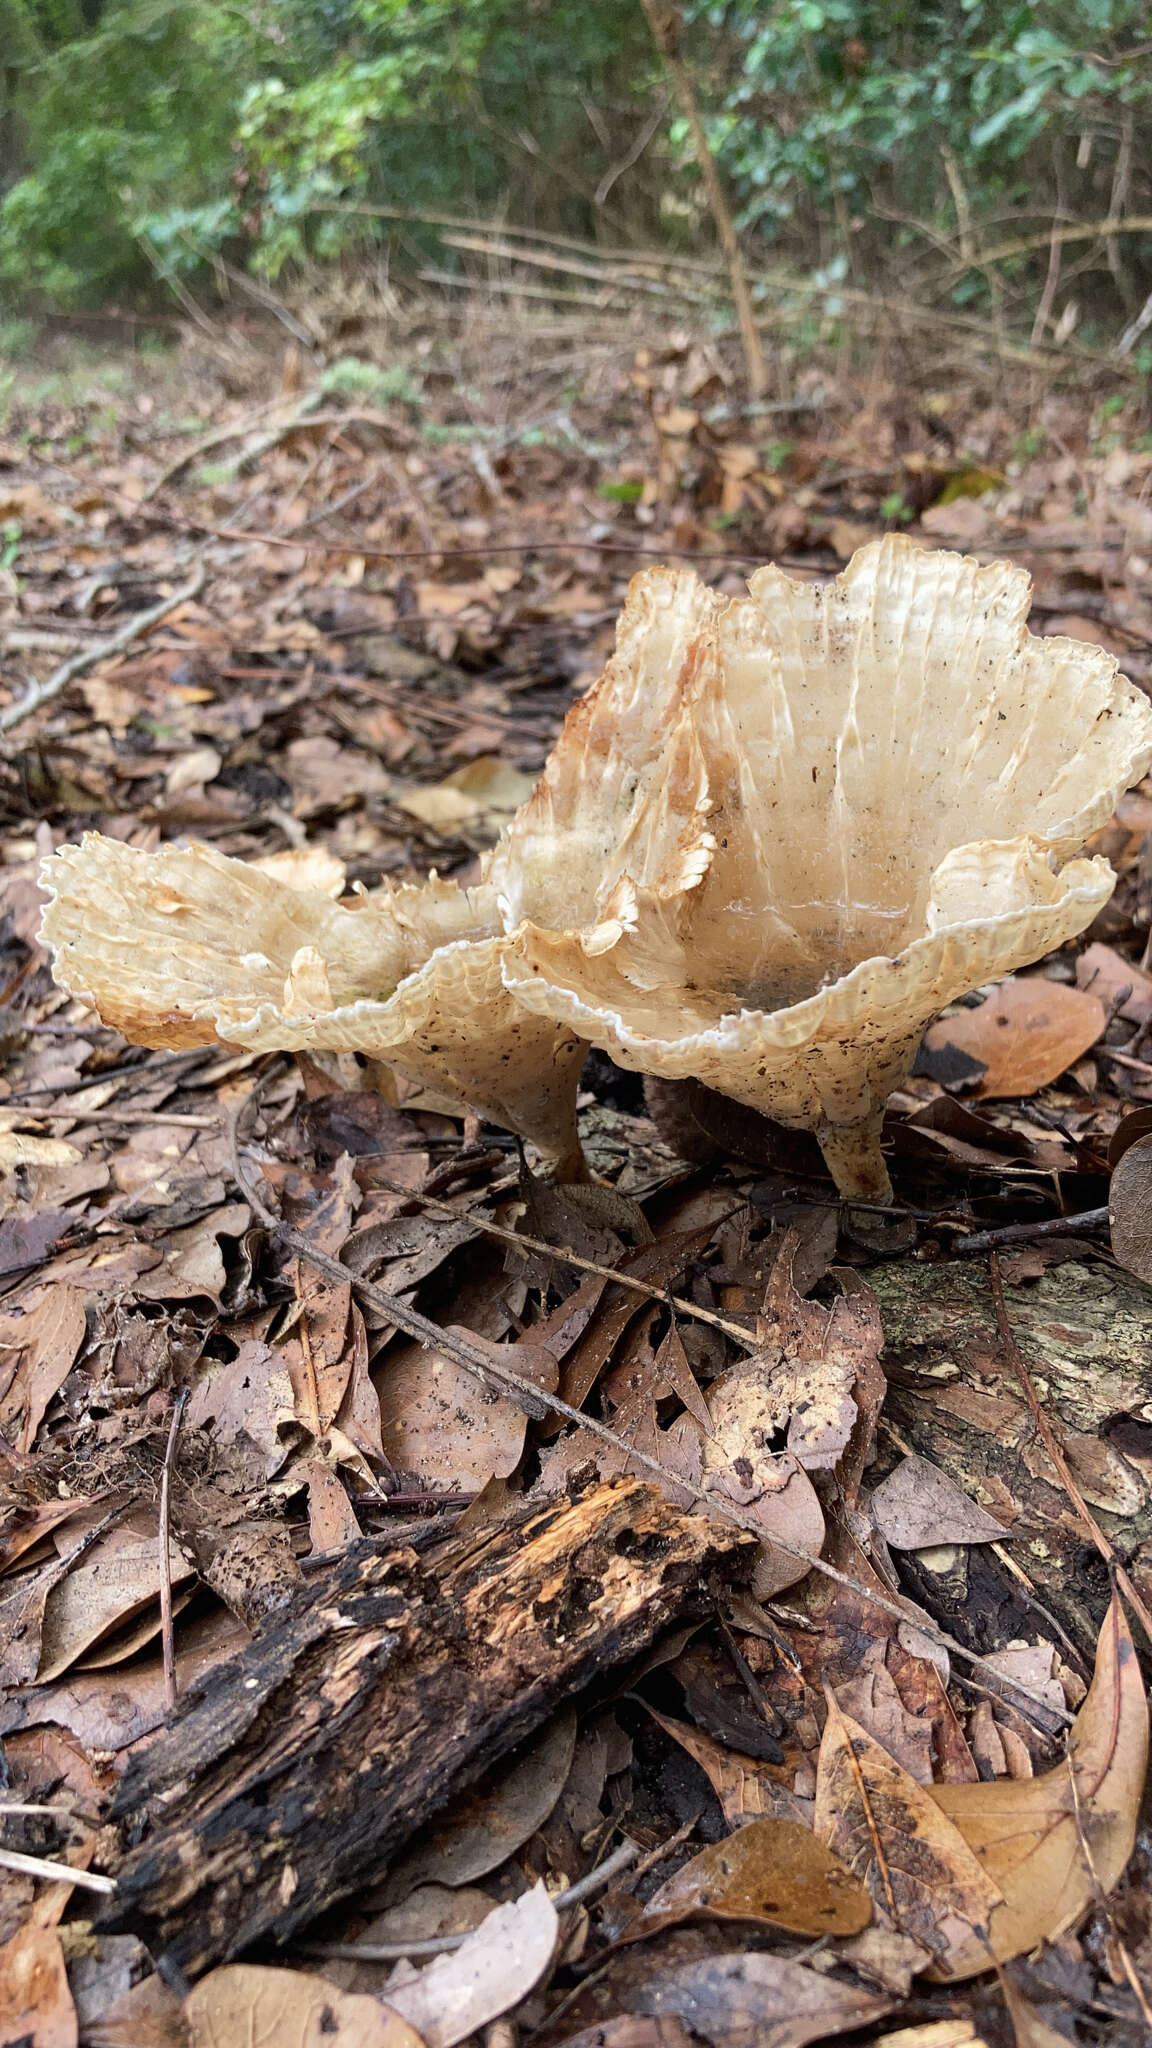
x=1085, y=1331
x=297, y=1770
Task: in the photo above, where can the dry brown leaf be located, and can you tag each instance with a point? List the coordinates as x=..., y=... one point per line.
x=37, y=1352
x=193, y=1263
x=249, y=1396
x=1026, y=1034
x=923, y=1878
x=432, y=1421
x=23, y=1148
x=332, y=1523
x=739, y=1464
x=810, y=1358
x=756, y=2001
x=1129, y=1128
x=938, y=2034
x=746, y=1789
x=490, y=1972
x=918, y=1506
x=108, y=1717
x=1033, y=1666
x=26, y=1527
x=632, y=2030
x=245, y=2005
x=873, y=1700
x=114, y=1580
x=1030, y=2029
x=36, y=2009
x=1130, y=1208
x=771, y=1870
x=1104, y=973
x=1030, y=1834
x=316, y=1355
x=147, y=2016
x=482, y=1829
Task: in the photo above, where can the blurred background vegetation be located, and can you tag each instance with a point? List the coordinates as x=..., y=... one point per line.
x=989, y=157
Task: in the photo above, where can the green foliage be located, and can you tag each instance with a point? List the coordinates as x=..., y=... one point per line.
x=352, y=377
x=118, y=119
x=625, y=490
x=144, y=139
x=172, y=130
x=10, y=535
x=935, y=110
x=16, y=340
x=896, y=509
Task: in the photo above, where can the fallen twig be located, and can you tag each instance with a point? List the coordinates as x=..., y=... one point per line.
x=54, y=1873
x=99, y=650
x=1088, y=1222
x=166, y=1634
x=565, y=1257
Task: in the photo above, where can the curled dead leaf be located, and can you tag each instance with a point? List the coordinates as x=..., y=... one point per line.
x=757, y=2001
x=36, y=2008
x=746, y=1788
x=491, y=1971
x=918, y=1505
x=1130, y=1208
x=771, y=1870
x=245, y=2003
x=1025, y=1034
x=1047, y=1843
x=925, y=1879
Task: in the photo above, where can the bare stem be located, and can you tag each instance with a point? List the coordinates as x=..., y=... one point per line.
x=853, y=1157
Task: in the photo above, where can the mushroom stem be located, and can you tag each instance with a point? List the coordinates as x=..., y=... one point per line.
x=853, y=1157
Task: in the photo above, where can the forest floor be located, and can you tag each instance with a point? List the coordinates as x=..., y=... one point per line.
x=458, y=1685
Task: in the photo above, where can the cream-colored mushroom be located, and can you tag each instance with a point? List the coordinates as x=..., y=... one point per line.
x=184, y=946
x=778, y=835
x=851, y=807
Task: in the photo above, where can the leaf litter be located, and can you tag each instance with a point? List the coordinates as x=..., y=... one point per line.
x=820, y=1373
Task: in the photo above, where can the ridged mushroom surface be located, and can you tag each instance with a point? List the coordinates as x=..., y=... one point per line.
x=891, y=771
x=778, y=835
x=185, y=946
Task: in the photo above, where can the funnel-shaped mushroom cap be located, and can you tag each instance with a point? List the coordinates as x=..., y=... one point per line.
x=624, y=805
x=889, y=770
x=182, y=947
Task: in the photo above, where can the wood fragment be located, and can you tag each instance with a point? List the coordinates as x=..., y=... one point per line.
x=298, y=1769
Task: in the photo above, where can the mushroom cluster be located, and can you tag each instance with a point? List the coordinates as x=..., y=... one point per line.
x=776, y=837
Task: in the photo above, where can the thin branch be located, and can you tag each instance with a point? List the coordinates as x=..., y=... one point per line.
x=54, y=1873
x=1103, y=1903
x=166, y=1632
x=565, y=1257
x=99, y=650
x=1051, y=286
x=1086, y=231
x=981, y=1241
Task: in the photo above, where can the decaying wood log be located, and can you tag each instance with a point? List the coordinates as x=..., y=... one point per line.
x=293, y=1773
x=1085, y=1332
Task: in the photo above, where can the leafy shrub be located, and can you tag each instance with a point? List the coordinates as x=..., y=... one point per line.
x=145, y=138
